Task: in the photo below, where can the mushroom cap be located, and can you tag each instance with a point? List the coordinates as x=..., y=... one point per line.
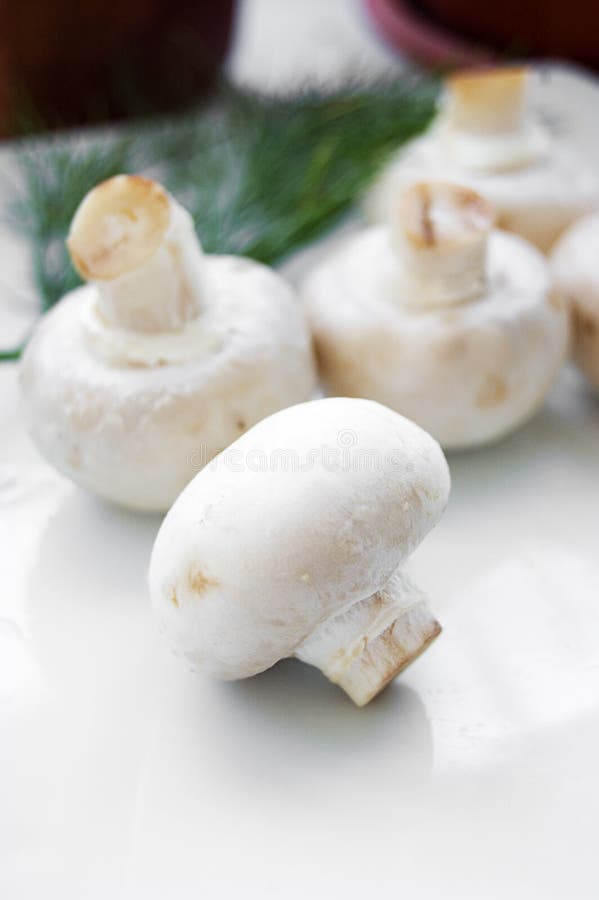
x=575, y=264
x=537, y=202
x=137, y=427
x=308, y=512
x=467, y=374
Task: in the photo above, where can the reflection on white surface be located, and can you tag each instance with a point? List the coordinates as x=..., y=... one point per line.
x=520, y=655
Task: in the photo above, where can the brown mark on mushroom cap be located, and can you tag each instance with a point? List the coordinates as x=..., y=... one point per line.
x=453, y=347
x=584, y=325
x=493, y=391
x=74, y=458
x=556, y=300
x=199, y=582
x=428, y=228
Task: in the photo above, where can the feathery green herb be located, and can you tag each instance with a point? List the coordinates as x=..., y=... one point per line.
x=261, y=176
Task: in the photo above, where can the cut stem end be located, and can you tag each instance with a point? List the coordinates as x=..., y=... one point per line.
x=441, y=232
x=365, y=647
x=488, y=100
x=140, y=247
x=388, y=654
x=118, y=226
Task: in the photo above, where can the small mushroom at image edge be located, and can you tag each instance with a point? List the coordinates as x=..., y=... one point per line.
x=486, y=137
x=576, y=272
x=292, y=544
x=137, y=379
x=439, y=316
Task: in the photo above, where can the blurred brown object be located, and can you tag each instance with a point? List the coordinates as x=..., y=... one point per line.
x=449, y=32
x=537, y=27
x=67, y=62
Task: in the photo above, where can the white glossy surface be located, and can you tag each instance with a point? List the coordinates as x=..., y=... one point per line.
x=474, y=776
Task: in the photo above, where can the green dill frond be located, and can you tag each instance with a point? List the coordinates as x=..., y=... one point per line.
x=261, y=176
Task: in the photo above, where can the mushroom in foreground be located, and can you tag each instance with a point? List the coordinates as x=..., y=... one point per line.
x=292, y=543
x=440, y=317
x=576, y=272
x=137, y=379
x=487, y=138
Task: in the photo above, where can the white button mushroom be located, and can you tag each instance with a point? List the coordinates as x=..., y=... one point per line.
x=291, y=543
x=441, y=318
x=576, y=270
x=137, y=379
x=487, y=139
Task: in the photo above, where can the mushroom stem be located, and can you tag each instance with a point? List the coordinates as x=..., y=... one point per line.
x=139, y=246
x=485, y=122
x=364, y=648
x=441, y=233
x=487, y=101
